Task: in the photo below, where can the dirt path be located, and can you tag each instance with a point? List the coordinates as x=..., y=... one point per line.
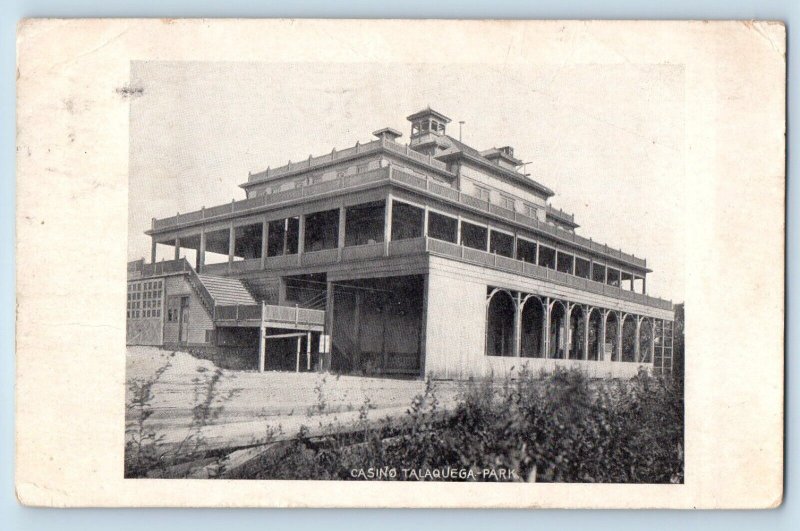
x=262, y=403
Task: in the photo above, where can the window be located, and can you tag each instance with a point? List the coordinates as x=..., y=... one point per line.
x=299, y=183
x=547, y=257
x=599, y=273
x=322, y=230
x=361, y=168
x=582, y=267
x=442, y=227
x=613, y=277
x=482, y=193
x=473, y=236
x=565, y=263
x=502, y=244
x=364, y=223
x=407, y=221
x=530, y=210
x=526, y=251
x=507, y=202
x=144, y=299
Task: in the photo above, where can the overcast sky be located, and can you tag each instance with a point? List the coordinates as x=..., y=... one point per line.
x=609, y=140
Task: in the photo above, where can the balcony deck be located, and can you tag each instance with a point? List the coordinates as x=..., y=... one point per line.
x=391, y=175
x=425, y=245
x=274, y=316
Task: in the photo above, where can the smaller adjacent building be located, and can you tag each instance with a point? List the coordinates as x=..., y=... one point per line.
x=430, y=258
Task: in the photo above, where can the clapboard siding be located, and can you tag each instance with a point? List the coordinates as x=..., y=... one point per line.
x=199, y=318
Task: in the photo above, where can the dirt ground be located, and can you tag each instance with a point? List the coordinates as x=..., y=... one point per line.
x=264, y=401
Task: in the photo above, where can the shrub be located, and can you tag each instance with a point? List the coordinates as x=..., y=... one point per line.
x=560, y=427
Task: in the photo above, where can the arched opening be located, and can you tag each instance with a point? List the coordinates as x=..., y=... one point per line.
x=629, y=338
x=558, y=332
x=532, y=333
x=612, y=337
x=500, y=324
x=646, y=342
x=577, y=333
x=595, y=329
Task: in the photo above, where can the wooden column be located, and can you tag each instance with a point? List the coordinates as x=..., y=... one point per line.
x=329, y=309
x=201, y=253
x=518, y=326
x=425, y=223
x=620, y=327
x=301, y=234
x=567, y=330
x=636, y=347
x=153, y=250
x=514, y=248
x=387, y=224
x=262, y=342
x=297, y=363
x=547, y=327
x=342, y=225
x=231, y=245
x=308, y=351
x=177, y=248
x=586, y=315
x=601, y=355
x=264, y=242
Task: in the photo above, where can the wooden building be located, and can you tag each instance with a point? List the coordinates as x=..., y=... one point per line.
x=426, y=259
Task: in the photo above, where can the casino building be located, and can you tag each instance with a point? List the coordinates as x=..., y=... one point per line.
x=429, y=258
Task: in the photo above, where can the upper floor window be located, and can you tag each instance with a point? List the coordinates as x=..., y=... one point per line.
x=361, y=168
x=299, y=183
x=507, y=202
x=530, y=210
x=482, y=193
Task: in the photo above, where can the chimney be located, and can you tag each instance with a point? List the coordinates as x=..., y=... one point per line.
x=388, y=134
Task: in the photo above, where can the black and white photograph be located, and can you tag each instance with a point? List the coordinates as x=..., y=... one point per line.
x=476, y=274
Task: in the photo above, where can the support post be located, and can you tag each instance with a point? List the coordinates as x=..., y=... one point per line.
x=387, y=224
x=586, y=315
x=601, y=356
x=201, y=253
x=568, y=331
x=329, y=299
x=518, y=326
x=231, y=245
x=308, y=351
x=636, y=347
x=342, y=225
x=644, y=284
x=177, y=248
x=620, y=327
x=297, y=363
x=262, y=342
x=425, y=223
x=264, y=243
x=547, y=328
x=153, y=250
x=301, y=234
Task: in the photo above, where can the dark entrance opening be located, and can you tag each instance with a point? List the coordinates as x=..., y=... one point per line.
x=377, y=326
